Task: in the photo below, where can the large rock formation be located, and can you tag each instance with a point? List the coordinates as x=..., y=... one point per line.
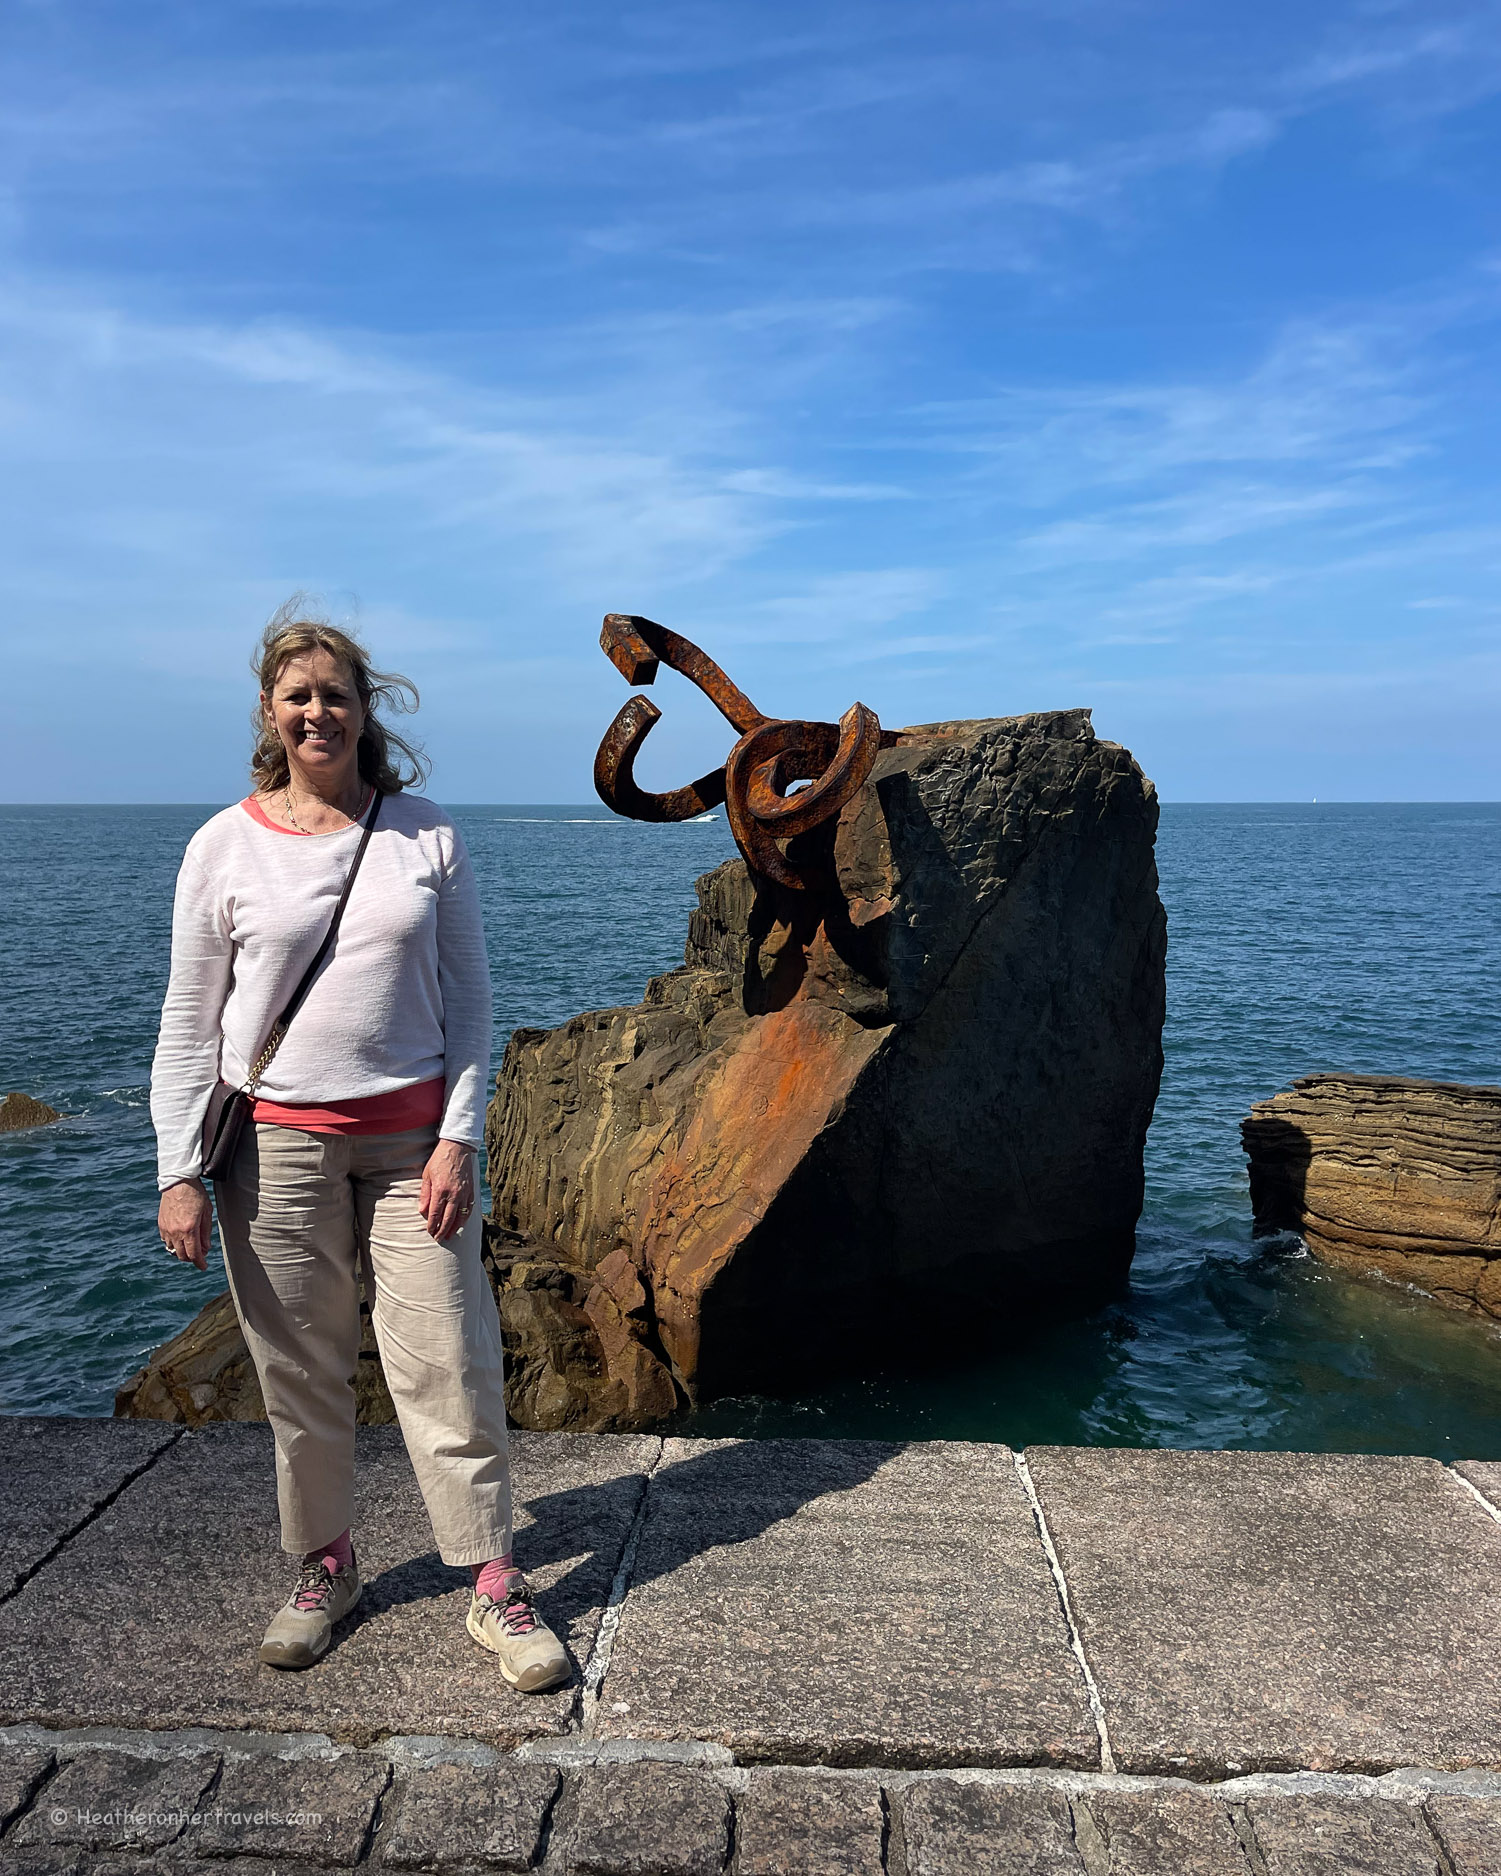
x=876, y=1119
x=1387, y=1177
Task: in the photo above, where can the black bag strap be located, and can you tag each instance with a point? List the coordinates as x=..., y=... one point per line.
x=305, y=984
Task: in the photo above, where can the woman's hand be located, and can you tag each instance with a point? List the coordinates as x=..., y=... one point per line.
x=447, y=1189
x=183, y=1219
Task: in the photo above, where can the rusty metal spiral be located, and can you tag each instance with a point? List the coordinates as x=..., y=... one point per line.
x=772, y=752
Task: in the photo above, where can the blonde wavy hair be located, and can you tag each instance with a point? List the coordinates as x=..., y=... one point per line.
x=387, y=760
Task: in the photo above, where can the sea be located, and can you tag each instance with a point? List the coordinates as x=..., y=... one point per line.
x=1302, y=937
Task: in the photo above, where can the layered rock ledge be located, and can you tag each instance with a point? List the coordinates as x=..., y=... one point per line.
x=866, y=1121
x=1386, y=1176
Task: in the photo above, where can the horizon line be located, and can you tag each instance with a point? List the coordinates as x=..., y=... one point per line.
x=1260, y=801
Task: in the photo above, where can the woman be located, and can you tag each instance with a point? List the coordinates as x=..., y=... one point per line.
x=360, y=1145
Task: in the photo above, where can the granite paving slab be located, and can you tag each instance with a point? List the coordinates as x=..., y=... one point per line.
x=183, y=1570
x=58, y=1471
x=793, y=1823
x=951, y=1827
x=308, y=1810
x=1250, y=1611
x=849, y=1603
x=116, y=1800
x=456, y=1814
x=1470, y=1831
x=1307, y=1836
x=1164, y=1833
x=646, y=1820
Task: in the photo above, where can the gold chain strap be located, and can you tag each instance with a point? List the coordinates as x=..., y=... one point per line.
x=263, y=1060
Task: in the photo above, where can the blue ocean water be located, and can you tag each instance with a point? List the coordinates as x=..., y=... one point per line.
x=1302, y=937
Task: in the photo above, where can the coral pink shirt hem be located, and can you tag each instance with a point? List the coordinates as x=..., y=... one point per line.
x=397, y=1112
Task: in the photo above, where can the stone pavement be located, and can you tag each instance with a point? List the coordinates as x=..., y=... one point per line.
x=793, y=1656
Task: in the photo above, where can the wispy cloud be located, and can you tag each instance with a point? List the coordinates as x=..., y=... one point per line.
x=168, y=484
x=960, y=358
x=845, y=606
x=1226, y=513
x=779, y=486
x=1090, y=184
x=1326, y=392
x=1414, y=60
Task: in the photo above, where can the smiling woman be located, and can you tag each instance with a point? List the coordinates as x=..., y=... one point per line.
x=332, y=973
x=318, y=714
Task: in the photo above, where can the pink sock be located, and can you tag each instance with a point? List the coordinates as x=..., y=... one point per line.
x=335, y=1556
x=491, y=1579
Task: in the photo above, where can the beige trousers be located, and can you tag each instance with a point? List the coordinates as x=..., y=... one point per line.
x=295, y=1217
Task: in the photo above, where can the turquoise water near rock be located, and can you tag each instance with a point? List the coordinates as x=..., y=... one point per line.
x=1301, y=937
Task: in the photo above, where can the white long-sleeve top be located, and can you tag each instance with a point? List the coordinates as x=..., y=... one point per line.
x=403, y=997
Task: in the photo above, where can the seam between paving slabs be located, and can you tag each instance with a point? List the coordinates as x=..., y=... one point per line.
x=1409, y=1785
x=1475, y=1492
x=24, y=1576
x=373, y=1823
x=1060, y=1584
x=1445, y=1861
x=1093, y=1852
x=1240, y=1821
x=598, y=1665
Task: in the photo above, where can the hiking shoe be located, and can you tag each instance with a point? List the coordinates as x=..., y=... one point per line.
x=531, y=1656
x=301, y=1629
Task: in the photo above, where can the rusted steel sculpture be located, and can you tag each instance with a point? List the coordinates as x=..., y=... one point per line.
x=772, y=753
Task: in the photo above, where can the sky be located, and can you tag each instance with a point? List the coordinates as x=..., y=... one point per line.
x=968, y=359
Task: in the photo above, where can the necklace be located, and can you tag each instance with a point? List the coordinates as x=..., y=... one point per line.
x=287, y=810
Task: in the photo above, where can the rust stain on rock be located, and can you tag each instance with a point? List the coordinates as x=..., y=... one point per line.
x=755, y=1121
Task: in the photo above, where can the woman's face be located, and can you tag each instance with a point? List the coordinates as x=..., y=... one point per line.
x=316, y=711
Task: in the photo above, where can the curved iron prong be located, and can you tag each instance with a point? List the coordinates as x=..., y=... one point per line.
x=761, y=852
x=772, y=755
x=833, y=778
x=635, y=646
x=615, y=782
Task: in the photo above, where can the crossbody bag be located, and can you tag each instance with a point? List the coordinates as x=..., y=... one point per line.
x=230, y=1107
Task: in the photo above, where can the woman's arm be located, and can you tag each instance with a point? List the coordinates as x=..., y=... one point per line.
x=185, y=1067
x=448, y=1185
x=464, y=983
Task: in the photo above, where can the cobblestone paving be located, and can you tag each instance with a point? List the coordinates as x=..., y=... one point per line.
x=116, y=1804
x=810, y=1658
